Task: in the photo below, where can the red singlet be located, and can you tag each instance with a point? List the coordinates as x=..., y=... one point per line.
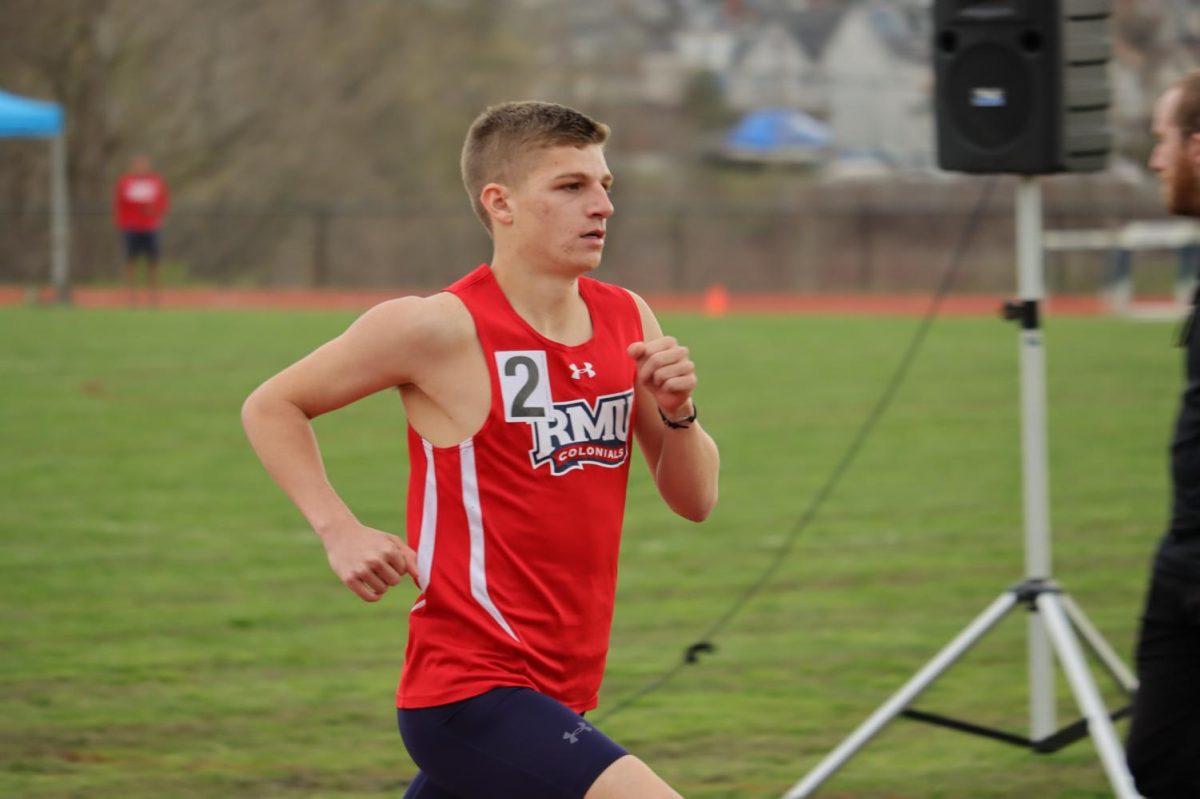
x=517, y=528
x=140, y=201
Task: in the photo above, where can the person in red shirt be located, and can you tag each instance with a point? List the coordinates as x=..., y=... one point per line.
x=140, y=202
x=522, y=383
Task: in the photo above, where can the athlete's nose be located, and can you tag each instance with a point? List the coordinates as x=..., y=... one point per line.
x=602, y=206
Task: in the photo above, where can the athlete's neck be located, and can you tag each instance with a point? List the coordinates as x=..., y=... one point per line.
x=549, y=302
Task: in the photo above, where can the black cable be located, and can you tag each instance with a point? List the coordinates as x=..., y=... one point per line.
x=704, y=644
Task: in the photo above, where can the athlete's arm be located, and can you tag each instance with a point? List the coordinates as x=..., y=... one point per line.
x=385, y=347
x=683, y=461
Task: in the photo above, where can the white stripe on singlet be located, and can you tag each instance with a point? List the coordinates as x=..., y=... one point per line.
x=428, y=521
x=470, y=483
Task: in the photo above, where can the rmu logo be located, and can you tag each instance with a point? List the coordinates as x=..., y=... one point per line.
x=575, y=433
x=567, y=435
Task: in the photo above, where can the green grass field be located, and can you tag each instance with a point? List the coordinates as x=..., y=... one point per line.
x=169, y=627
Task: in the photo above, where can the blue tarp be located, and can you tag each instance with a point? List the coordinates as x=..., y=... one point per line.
x=778, y=129
x=23, y=118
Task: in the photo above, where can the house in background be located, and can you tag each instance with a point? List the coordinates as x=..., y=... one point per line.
x=880, y=83
x=704, y=41
x=761, y=53
x=771, y=68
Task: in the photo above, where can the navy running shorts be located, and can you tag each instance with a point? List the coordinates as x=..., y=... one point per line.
x=141, y=243
x=508, y=743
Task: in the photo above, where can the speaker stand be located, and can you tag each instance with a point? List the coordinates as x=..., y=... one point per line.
x=1054, y=619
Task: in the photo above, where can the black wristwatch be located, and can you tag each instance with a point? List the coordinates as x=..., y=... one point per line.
x=679, y=424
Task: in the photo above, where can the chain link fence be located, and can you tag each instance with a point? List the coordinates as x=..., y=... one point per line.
x=871, y=239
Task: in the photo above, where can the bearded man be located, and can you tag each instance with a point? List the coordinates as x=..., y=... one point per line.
x=1164, y=739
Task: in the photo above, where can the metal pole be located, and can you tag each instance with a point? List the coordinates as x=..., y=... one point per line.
x=1031, y=288
x=1034, y=458
x=902, y=698
x=60, y=263
x=1087, y=697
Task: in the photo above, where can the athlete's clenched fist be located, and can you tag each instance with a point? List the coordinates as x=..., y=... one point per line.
x=666, y=371
x=369, y=561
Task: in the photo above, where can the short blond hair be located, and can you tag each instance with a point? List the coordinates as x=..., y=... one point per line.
x=500, y=139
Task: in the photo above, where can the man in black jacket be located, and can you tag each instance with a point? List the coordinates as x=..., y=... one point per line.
x=1164, y=739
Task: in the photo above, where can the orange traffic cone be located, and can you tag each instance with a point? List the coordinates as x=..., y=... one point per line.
x=716, y=300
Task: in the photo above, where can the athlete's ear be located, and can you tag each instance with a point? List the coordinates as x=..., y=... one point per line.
x=1191, y=149
x=498, y=203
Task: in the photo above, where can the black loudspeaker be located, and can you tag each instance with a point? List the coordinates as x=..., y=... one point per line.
x=1022, y=85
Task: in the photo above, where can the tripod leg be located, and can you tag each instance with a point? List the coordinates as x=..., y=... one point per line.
x=901, y=699
x=1086, y=696
x=1116, y=667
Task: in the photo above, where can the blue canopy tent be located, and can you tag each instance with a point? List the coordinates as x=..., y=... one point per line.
x=777, y=135
x=22, y=118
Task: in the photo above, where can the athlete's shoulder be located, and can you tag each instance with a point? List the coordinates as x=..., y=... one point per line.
x=431, y=325
x=650, y=326
x=638, y=300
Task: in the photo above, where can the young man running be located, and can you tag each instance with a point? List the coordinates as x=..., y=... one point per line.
x=522, y=383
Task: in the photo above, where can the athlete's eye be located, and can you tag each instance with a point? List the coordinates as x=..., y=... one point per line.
x=573, y=186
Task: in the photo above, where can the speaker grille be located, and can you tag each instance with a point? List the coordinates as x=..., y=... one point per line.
x=990, y=96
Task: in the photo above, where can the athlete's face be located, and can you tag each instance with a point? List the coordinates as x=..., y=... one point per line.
x=1176, y=159
x=561, y=208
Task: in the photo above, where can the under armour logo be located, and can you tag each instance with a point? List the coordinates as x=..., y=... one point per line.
x=573, y=737
x=587, y=369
